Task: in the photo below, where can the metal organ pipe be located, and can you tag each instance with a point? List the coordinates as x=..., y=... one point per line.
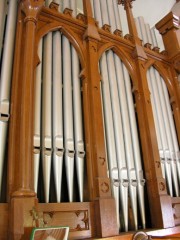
x=58, y=142
x=78, y=125
x=138, y=28
x=117, y=16
x=149, y=35
x=5, y=79
x=154, y=40
x=92, y=6
x=47, y=110
x=68, y=116
x=3, y=8
x=111, y=15
x=7, y=58
x=97, y=12
x=143, y=29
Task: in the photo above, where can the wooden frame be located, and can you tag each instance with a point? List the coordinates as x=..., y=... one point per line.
x=34, y=21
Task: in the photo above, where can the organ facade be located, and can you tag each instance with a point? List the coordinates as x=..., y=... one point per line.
x=90, y=121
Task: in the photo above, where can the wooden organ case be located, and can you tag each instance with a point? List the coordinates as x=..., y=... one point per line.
x=104, y=188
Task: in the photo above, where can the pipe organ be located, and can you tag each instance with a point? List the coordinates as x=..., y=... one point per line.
x=89, y=120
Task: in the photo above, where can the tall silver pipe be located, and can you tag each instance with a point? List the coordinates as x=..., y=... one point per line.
x=143, y=29
x=117, y=16
x=104, y=11
x=111, y=15
x=92, y=6
x=3, y=12
x=58, y=141
x=7, y=58
x=66, y=4
x=78, y=124
x=73, y=6
x=97, y=12
x=68, y=116
x=47, y=113
x=149, y=34
x=138, y=28
x=154, y=39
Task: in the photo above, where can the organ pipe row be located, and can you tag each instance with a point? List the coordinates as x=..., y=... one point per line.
x=62, y=131
x=121, y=131
x=147, y=34
x=168, y=147
x=58, y=122
x=163, y=118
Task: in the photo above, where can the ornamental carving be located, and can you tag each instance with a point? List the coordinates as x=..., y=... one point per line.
x=104, y=187
x=54, y=6
x=106, y=28
x=162, y=186
x=126, y=3
x=81, y=17
x=68, y=12
x=118, y=32
x=76, y=220
x=156, y=49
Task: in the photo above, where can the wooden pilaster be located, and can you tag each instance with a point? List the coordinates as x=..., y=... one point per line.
x=99, y=183
x=22, y=195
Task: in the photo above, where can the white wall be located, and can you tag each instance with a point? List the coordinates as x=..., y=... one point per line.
x=152, y=10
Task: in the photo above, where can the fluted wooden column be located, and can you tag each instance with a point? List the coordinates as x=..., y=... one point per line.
x=159, y=201
x=99, y=183
x=21, y=192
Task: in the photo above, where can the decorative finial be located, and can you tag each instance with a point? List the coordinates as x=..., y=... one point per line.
x=126, y=3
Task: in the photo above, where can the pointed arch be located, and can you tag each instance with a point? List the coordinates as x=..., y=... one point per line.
x=164, y=72
x=68, y=33
x=126, y=59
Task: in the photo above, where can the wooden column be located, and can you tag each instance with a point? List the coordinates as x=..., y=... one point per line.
x=99, y=183
x=22, y=195
x=159, y=201
x=168, y=27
